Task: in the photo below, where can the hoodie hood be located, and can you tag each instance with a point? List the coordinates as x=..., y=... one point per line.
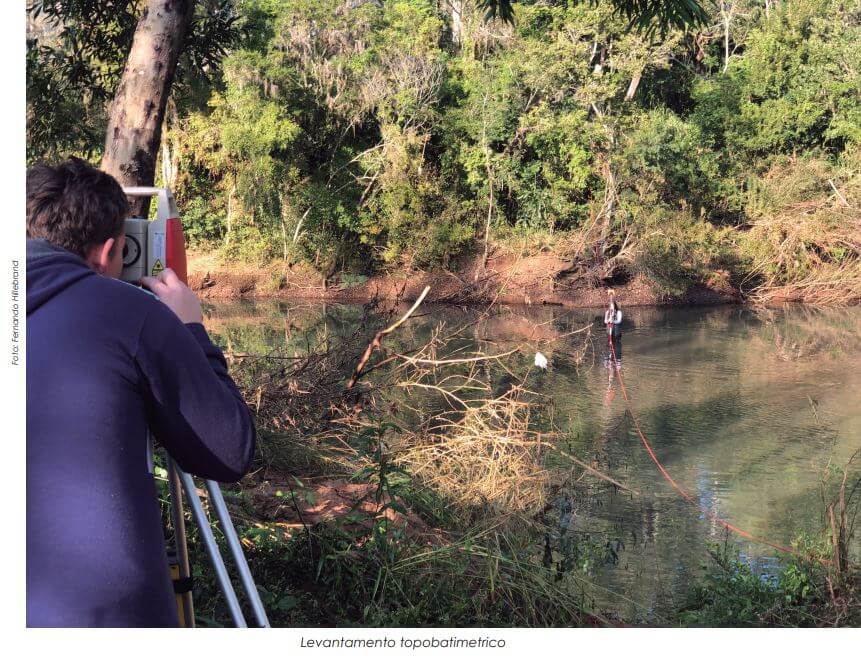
x=50, y=270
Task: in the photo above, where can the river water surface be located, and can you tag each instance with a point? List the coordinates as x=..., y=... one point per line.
x=745, y=409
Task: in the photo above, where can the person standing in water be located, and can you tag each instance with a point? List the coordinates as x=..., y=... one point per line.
x=613, y=322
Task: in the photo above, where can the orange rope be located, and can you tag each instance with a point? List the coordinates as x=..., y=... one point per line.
x=684, y=494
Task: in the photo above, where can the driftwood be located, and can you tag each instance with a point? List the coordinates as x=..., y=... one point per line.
x=378, y=339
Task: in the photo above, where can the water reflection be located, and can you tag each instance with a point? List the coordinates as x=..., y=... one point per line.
x=745, y=409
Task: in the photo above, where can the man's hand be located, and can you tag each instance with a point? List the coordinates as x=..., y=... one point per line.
x=177, y=296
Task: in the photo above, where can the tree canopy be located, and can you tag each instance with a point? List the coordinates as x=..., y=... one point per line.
x=650, y=14
x=362, y=135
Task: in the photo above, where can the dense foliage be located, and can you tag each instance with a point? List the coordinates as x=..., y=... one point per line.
x=355, y=136
x=76, y=51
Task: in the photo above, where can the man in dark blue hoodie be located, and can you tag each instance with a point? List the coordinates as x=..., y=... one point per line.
x=106, y=362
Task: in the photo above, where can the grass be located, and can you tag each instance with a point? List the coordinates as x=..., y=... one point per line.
x=823, y=588
x=802, y=594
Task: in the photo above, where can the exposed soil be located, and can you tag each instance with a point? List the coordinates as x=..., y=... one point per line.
x=542, y=278
x=325, y=500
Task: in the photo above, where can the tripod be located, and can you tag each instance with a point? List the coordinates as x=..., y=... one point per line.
x=179, y=481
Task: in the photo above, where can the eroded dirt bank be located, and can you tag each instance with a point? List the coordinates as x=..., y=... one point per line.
x=539, y=279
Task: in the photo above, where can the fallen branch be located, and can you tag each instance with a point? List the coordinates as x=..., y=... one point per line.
x=374, y=344
x=837, y=192
x=441, y=362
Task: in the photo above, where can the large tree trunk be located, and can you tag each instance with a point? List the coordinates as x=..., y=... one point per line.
x=455, y=8
x=134, y=124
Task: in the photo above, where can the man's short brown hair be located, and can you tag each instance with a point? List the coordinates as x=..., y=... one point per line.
x=73, y=205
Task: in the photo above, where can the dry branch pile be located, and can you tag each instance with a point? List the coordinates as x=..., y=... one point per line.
x=806, y=238
x=486, y=458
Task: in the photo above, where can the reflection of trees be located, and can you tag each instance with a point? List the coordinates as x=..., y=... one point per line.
x=737, y=442
x=252, y=327
x=800, y=332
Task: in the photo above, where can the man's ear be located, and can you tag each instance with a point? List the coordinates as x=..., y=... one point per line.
x=99, y=256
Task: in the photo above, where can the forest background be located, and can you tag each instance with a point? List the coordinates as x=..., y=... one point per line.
x=366, y=137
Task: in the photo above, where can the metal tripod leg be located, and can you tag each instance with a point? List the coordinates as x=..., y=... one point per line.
x=177, y=481
x=212, y=549
x=186, y=607
x=216, y=499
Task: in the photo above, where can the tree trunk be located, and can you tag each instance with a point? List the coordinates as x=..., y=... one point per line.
x=489, y=170
x=632, y=88
x=726, y=17
x=283, y=227
x=134, y=124
x=456, y=11
x=230, y=196
x=170, y=146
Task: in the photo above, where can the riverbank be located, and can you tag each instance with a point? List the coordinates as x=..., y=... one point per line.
x=437, y=492
x=539, y=279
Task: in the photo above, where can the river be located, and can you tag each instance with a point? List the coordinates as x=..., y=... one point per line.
x=746, y=410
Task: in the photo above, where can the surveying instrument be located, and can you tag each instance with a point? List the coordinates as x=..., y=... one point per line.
x=151, y=246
